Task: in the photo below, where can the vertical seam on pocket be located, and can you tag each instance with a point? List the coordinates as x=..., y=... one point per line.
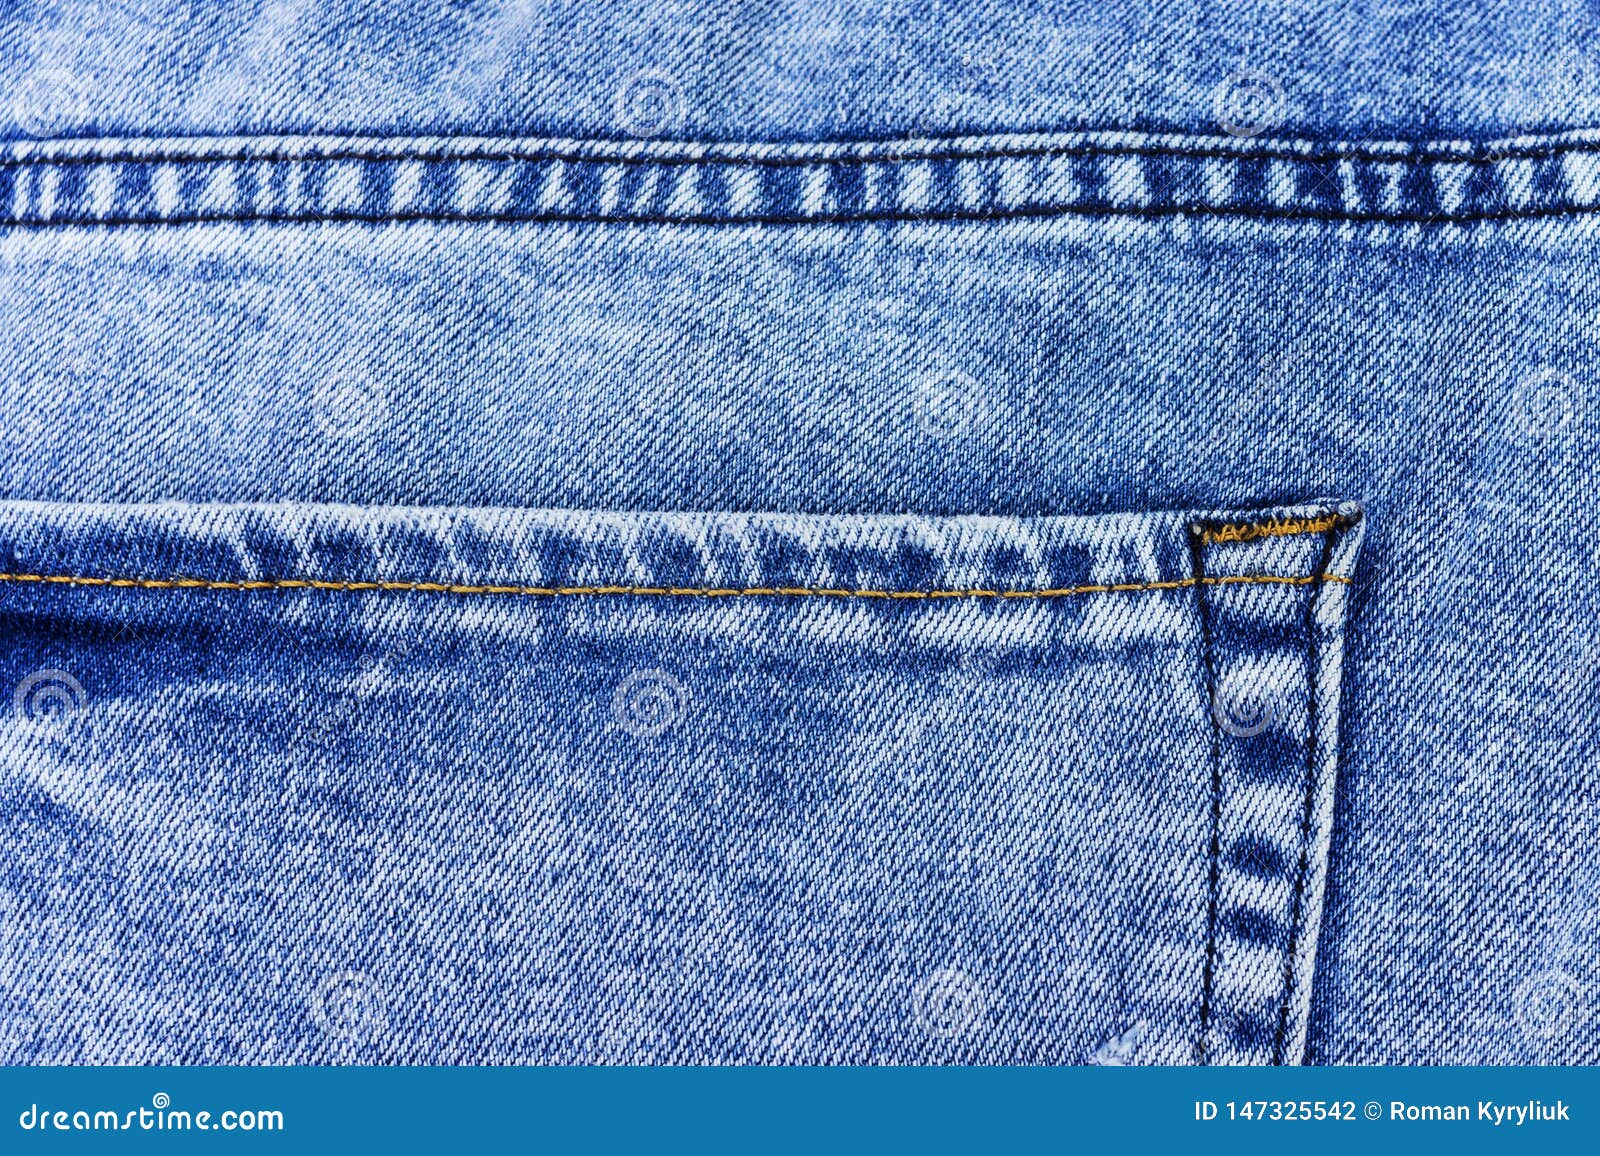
x=1269, y=768
x=1297, y=916
x=1214, y=844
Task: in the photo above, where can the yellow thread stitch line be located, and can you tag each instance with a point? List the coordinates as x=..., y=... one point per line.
x=1275, y=528
x=674, y=591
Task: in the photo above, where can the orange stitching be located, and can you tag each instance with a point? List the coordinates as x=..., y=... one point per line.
x=676, y=591
x=1277, y=527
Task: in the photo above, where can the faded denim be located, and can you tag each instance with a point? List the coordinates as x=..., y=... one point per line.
x=454, y=463
x=803, y=789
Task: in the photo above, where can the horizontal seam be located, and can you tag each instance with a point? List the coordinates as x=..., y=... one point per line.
x=1488, y=156
x=707, y=219
x=674, y=591
x=1273, y=528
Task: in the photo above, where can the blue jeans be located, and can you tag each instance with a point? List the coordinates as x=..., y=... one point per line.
x=818, y=538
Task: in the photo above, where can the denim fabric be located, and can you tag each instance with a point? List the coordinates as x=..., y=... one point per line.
x=330, y=783
x=810, y=69
x=373, y=296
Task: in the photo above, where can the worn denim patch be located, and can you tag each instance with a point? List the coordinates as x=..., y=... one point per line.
x=304, y=783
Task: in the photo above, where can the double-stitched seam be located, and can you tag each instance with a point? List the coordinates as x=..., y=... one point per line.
x=307, y=180
x=937, y=216
x=861, y=153
x=1214, y=842
x=657, y=591
x=1302, y=870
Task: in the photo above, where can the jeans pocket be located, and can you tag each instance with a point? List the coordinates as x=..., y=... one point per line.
x=333, y=784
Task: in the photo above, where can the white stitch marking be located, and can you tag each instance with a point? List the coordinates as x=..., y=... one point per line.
x=553, y=191
x=1060, y=181
x=611, y=188
x=164, y=187
x=814, y=190
x=1280, y=183
x=294, y=175
x=646, y=195
x=406, y=186
x=916, y=186
x=471, y=180
x=103, y=181
x=502, y=182
x=342, y=187
x=969, y=184
x=1219, y=180
x=49, y=183
x=266, y=197
x=1015, y=175
x=1125, y=181
x=1582, y=173
x=744, y=189
x=1517, y=176
x=220, y=192
x=1449, y=184
x=685, y=200
x=1349, y=191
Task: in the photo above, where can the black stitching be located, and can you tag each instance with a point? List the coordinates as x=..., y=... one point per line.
x=1214, y=848
x=1302, y=871
x=890, y=216
x=1477, y=154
